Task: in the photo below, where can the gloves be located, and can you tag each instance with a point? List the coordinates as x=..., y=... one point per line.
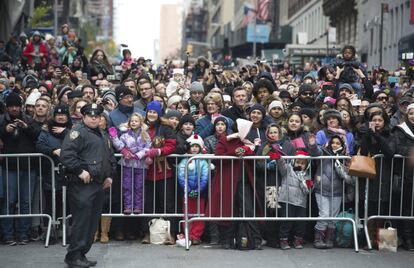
x=244, y=150
x=274, y=156
x=271, y=165
x=149, y=161
x=112, y=132
x=309, y=184
x=126, y=153
x=193, y=194
x=153, y=152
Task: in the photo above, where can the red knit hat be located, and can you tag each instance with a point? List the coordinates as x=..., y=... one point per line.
x=301, y=153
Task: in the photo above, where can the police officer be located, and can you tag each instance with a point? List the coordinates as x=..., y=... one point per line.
x=89, y=160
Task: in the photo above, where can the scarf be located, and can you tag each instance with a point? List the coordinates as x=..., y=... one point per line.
x=125, y=109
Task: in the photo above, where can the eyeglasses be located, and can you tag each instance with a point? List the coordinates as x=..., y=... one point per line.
x=382, y=98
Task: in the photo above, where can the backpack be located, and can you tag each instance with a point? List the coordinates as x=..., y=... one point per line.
x=344, y=230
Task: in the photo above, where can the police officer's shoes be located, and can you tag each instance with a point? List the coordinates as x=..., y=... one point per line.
x=78, y=263
x=91, y=263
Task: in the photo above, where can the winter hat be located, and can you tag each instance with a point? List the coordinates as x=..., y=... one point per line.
x=186, y=119
x=173, y=113
x=328, y=86
x=178, y=71
x=156, y=106
x=173, y=99
x=196, y=87
x=31, y=100
x=305, y=88
x=62, y=91
x=332, y=113
x=196, y=140
x=301, y=153
x=405, y=99
x=226, y=98
x=411, y=106
x=13, y=99
x=276, y=104
x=307, y=111
x=347, y=87
x=122, y=91
x=110, y=94
x=259, y=107
x=221, y=119
x=61, y=109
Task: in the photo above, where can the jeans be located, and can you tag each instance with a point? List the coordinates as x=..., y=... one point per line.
x=20, y=192
x=329, y=206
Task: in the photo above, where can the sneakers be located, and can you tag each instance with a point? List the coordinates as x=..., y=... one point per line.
x=137, y=211
x=10, y=242
x=127, y=211
x=23, y=241
x=77, y=263
x=298, y=242
x=284, y=244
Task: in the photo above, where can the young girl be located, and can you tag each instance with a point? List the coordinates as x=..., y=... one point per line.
x=133, y=144
x=197, y=184
x=328, y=188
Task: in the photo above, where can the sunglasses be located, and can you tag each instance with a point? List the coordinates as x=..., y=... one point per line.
x=307, y=94
x=382, y=98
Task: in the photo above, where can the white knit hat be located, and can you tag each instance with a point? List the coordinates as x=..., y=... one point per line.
x=31, y=100
x=411, y=106
x=178, y=71
x=277, y=104
x=195, y=139
x=173, y=99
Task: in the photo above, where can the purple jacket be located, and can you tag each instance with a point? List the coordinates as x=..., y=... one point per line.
x=134, y=143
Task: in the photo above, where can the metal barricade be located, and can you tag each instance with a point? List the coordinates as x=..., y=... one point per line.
x=249, y=167
x=160, y=201
x=21, y=173
x=390, y=196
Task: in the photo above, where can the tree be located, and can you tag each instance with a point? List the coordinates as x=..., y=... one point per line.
x=41, y=16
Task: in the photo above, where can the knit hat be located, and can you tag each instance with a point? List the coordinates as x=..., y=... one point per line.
x=196, y=87
x=305, y=88
x=411, y=106
x=259, y=107
x=186, y=119
x=328, y=86
x=276, y=104
x=307, y=111
x=332, y=113
x=13, y=99
x=31, y=100
x=173, y=99
x=301, y=153
x=347, y=87
x=110, y=94
x=155, y=106
x=196, y=140
x=221, y=119
x=61, y=109
x=62, y=91
x=122, y=91
x=405, y=99
x=173, y=113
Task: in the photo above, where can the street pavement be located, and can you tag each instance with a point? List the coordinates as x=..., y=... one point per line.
x=133, y=254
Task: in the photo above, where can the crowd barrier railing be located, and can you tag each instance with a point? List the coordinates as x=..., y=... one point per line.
x=390, y=195
x=21, y=179
x=251, y=166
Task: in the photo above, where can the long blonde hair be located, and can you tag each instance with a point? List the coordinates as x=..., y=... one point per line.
x=144, y=134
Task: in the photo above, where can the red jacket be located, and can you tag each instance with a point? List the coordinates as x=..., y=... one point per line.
x=30, y=49
x=221, y=193
x=163, y=170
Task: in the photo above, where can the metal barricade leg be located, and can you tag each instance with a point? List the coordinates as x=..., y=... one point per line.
x=64, y=216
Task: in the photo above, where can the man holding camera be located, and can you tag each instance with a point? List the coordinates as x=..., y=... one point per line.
x=89, y=160
x=19, y=174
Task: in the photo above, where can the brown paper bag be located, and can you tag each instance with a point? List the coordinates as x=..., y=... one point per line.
x=387, y=239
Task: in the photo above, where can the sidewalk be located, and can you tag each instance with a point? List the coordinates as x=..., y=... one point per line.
x=133, y=254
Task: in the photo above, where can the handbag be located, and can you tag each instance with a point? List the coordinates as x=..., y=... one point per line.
x=362, y=166
x=387, y=238
x=159, y=231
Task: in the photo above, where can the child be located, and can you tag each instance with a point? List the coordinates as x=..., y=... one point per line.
x=329, y=189
x=197, y=183
x=133, y=144
x=292, y=196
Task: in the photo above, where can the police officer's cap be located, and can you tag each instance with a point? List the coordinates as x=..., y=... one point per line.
x=92, y=109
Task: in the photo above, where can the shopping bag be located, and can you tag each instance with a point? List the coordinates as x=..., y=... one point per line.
x=387, y=238
x=159, y=231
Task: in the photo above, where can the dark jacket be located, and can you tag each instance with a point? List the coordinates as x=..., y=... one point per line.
x=404, y=142
x=88, y=149
x=182, y=146
x=22, y=140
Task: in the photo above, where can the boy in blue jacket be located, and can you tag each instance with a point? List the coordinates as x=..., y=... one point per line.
x=198, y=171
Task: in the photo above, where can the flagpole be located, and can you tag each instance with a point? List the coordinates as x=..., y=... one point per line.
x=254, y=29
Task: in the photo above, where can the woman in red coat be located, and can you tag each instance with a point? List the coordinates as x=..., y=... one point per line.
x=36, y=52
x=233, y=183
x=159, y=183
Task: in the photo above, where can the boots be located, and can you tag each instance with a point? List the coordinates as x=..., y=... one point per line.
x=105, y=224
x=319, y=239
x=330, y=237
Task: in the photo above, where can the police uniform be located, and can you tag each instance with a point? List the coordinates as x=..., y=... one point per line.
x=86, y=149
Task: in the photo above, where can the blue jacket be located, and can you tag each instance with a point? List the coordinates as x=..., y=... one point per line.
x=199, y=172
x=116, y=117
x=205, y=128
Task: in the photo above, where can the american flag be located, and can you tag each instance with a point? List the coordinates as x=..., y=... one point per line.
x=249, y=14
x=263, y=10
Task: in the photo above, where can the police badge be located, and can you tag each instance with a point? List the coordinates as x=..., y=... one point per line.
x=74, y=134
